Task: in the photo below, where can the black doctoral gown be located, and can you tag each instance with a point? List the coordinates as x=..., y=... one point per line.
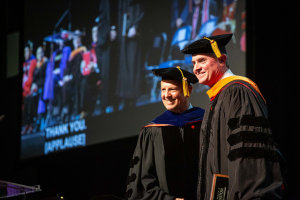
x=31, y=101
x=130, y=14
x=71, y=89
x=103, y=49
x=236, y=140
x=165, y=162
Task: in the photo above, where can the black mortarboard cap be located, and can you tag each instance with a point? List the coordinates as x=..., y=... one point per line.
x=28, y=44
x=207, y=45
x=179, y=75
x=61, y=36
x=174, y=73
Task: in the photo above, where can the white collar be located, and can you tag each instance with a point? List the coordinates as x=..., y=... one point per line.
x=227, y=74
x=190, y=106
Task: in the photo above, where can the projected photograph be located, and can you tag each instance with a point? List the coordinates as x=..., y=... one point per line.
x=87, y=65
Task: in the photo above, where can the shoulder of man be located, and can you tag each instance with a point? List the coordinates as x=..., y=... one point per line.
x=156, y=122
x=245, y=84
x=235, y=82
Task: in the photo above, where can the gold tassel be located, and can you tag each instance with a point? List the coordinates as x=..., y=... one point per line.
x=214, y=47
x=185, y=84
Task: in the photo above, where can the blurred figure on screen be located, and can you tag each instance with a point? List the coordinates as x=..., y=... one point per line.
x=229, y=15
x=91, y=82
x=54, y=74
x=129, y=74
x=179, y=15
x=28, y=69
x=103, y=35
x=202, y=11
x=165, y=162
x=72, y=79
x=228, y=23
x=37, y=87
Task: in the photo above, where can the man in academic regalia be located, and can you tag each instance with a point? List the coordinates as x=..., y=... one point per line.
x=130, y=15
x=103, y=49
x=91, y=79
x=73, y=77
x=55, y=70
x=58, y=61
x=202, y=11
x=235, y=138
x=179, y=14
x=165, y=162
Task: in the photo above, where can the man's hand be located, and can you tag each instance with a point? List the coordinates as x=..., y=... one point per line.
x=132, y=32
x=61, y=83
x=34, y=87
x=91, y=66
x=56, y=71
x=179, y=199
x=82, y=66
x=179, y=22
x=67, y=78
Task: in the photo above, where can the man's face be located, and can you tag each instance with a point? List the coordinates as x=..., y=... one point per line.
x=27, y=53
x=172, y=96
x=39, y=54
x=207, y=68
x=95, y=34
x=77, y=42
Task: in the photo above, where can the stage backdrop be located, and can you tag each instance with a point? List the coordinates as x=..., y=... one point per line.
x=87, y=65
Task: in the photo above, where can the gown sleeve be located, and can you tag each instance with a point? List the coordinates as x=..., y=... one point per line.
x=27, y=87
x=253, y=167
x=142, y=182
x=136, y=11
x=104, y=23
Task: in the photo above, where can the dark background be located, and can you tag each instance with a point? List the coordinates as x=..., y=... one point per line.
x=272, y=62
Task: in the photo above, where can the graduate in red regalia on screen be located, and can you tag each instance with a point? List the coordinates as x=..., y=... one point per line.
x=28, y=69
x=90, y=85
